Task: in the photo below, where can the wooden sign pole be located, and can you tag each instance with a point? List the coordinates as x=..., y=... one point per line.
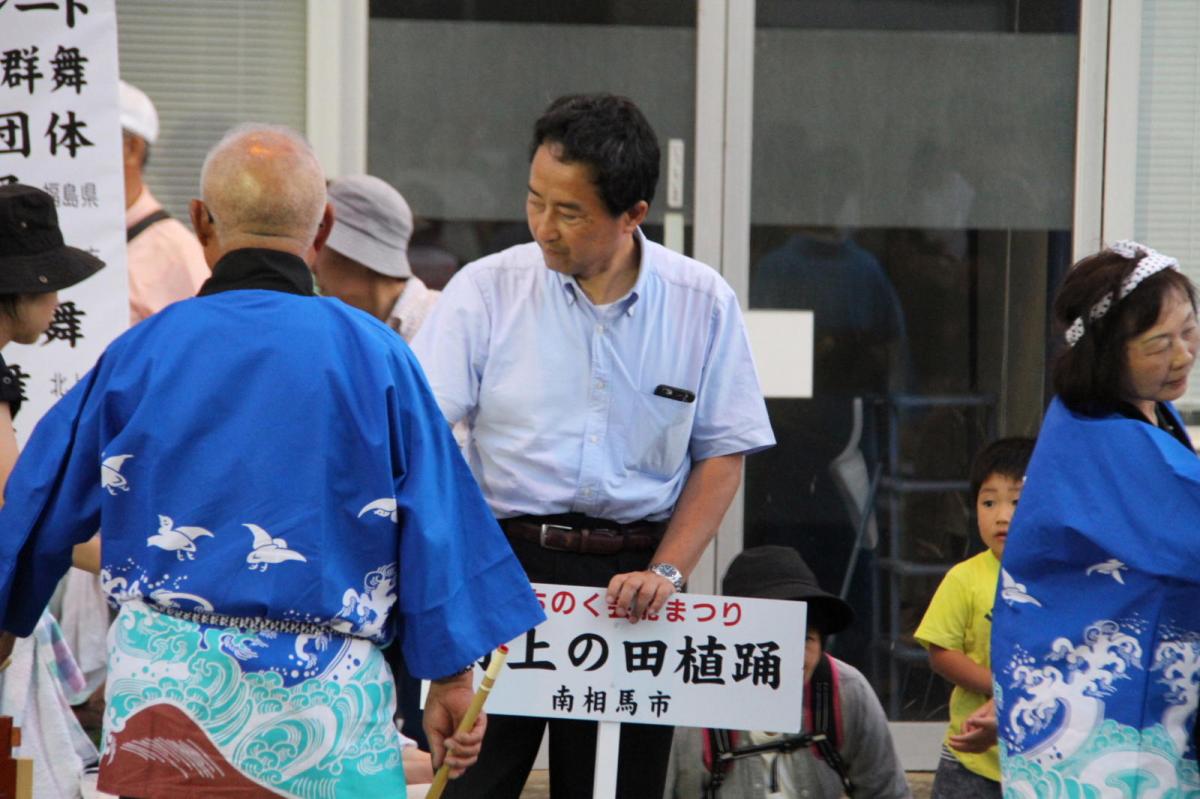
x=16, y=774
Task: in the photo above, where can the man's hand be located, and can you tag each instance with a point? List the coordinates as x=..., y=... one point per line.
x=444, y=709
x=979, y=730
x=635, y=593
x=705, y=498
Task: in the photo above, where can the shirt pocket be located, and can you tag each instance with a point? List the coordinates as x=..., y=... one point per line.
x=658, y=431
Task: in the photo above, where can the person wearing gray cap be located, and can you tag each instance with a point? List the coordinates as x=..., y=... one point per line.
x=845, y=747
x=365, y=262
x=165, y=261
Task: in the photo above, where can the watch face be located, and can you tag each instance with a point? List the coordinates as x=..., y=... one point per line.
x=670, y=572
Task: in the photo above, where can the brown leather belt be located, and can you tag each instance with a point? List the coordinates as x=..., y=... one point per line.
x=587, y=539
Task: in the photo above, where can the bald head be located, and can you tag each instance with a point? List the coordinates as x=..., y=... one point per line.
x=263, y=186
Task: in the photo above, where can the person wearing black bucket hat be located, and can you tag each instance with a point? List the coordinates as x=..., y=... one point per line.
x=775, y=572
x=34, y=265
x=845, y=747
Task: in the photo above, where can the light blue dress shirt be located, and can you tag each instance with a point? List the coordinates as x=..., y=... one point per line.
x=559, y=394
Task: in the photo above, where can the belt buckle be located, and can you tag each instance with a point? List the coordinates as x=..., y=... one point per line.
x=542, y=537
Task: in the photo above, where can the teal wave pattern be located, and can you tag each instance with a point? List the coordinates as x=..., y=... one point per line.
x=325, y=737
x=1116, y=762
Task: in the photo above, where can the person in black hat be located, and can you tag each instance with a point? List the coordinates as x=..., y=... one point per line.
x=34, y=265
x=845, y=747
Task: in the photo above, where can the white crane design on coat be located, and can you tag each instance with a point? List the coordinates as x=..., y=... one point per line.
x=268, y=550
x=1013, y=592
x=385, y=507
x=111, y=478
x=1112, y=567
x=180, y=540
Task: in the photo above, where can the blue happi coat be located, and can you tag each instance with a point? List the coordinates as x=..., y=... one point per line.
x=266, y=454
x=1096, y=626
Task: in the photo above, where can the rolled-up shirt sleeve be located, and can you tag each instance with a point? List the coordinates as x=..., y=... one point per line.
x=452, y=345
x=731, y=414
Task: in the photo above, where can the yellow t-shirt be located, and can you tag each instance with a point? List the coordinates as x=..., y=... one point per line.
x=960, y=618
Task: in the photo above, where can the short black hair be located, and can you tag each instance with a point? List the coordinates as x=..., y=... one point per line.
x=608, y=133
x=1088, y=377
x=1008, y=457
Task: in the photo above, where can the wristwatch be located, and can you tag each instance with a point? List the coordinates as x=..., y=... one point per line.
x=670, y=572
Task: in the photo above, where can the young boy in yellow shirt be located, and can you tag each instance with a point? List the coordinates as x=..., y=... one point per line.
x=957, y=627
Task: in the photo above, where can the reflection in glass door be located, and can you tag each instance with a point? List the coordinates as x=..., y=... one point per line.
x=912, y=187
x=455, y=87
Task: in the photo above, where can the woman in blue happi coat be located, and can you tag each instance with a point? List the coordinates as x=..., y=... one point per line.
x=1096, y=628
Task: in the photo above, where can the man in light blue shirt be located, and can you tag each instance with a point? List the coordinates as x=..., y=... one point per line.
x=611, y=398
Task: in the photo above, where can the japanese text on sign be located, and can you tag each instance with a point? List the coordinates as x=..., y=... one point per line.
x=702, y=661
x=60, y=132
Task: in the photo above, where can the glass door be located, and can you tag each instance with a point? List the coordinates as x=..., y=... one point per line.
x=909, y=210
x=889, y=187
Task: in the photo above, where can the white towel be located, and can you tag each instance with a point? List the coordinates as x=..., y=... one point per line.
x=32, y=691
x=84, y=620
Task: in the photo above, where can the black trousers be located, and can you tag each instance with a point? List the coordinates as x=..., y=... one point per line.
x=511, y=743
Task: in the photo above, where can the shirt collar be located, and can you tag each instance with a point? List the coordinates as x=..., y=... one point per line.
x=259, y=268
x=414, y=291
x=142, y=207
x=571, y=288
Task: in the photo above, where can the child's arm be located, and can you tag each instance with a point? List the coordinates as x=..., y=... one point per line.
x=959, y=669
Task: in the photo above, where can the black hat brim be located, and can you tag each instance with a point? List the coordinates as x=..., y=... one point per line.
x=835, y=613
x=48, y=271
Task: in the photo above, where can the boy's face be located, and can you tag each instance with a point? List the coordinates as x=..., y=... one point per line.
x=998, y=496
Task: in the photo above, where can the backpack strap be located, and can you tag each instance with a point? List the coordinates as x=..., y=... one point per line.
x=140, y=226
x=717, y=744
x=824, y=707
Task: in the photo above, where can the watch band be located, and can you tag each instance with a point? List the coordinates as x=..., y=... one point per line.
x=666, y=570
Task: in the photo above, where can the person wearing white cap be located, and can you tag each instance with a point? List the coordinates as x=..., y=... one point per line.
x=166, y=262
x=365, y=261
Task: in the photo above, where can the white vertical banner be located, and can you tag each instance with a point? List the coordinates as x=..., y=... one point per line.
x=60, y=131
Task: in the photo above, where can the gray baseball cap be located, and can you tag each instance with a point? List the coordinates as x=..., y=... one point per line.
x=371, y=224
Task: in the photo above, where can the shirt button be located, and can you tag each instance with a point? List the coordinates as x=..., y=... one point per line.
x=600, y=384
x=587, y=492
x=599, y=328
x=593, y=439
